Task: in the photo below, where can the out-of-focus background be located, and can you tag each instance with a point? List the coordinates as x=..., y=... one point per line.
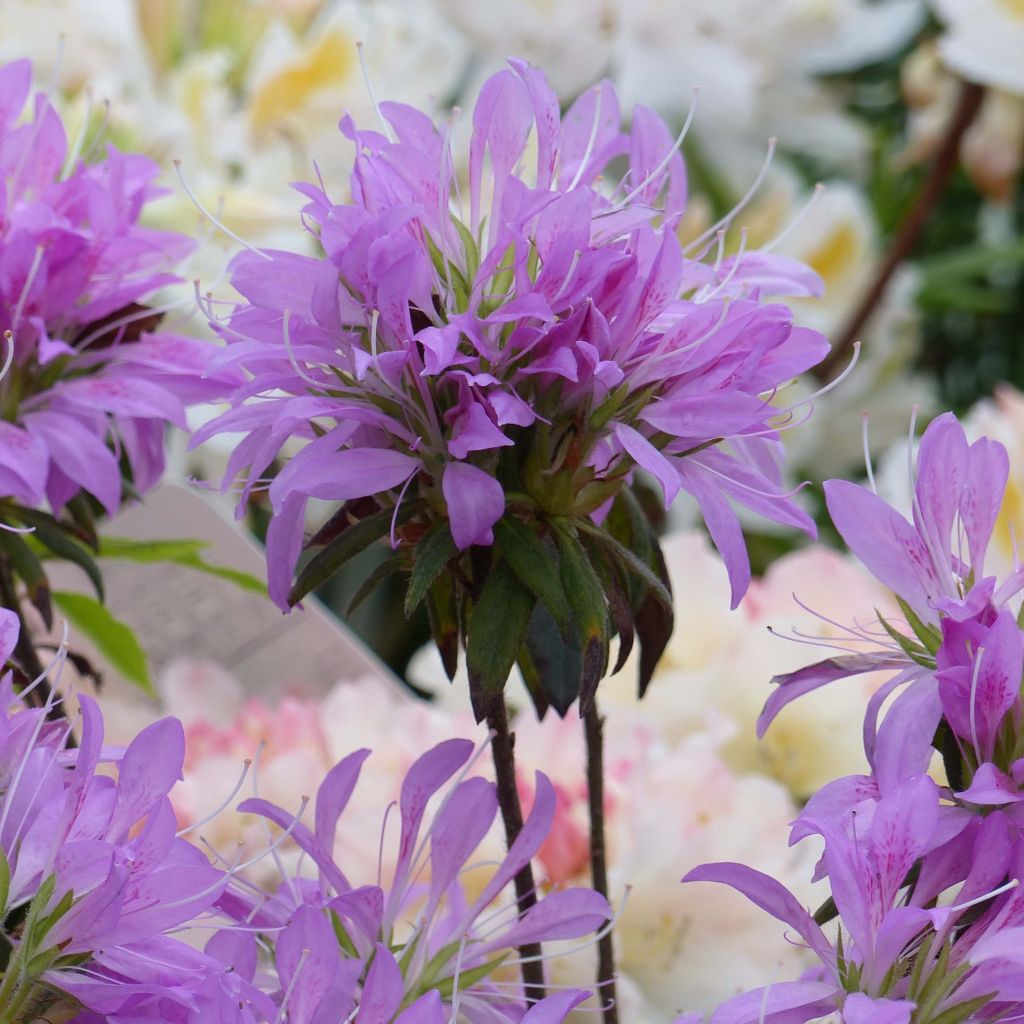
x=872, y=105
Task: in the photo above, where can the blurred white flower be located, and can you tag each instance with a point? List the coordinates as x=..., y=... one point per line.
x=756, y=65
x=984, y=40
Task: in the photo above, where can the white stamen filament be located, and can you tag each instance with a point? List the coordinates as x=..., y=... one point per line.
x=30, y=277
x=588, y=152
x=976, y=672
x=222, y=806
x=731, y=215
x=676, y=146
x=388, y=131
x=867, y=451
x=282, y=1012
x=819, y=189
x=198, y=204
x=76, y=149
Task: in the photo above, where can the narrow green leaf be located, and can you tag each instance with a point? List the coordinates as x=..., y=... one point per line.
x=374, y=580
x=113, y=639
x=589, y=610
x=912, y=650
x=56, y=538
x=325, y=563
x=184, y=552
x=5, y=883
x=443, y=614
x=654, y=622
x=621, y=554
x=534, y=563
x=26, y=565
x=433, y=552
x=555, y=664
x=930, y=637
x=82, y=516
x=496, y=633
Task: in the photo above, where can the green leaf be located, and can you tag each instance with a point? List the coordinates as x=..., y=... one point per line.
x=589, y=611
x=184, y=552
x=930, y=637
x=325, y=563
x=553, y=665
x=654, y=622
x=915, y=651
x=56, y=538
x=113, y=639
x=534, y=563
x=620, y=554
x=433, y=552
x=496, y=633
x=5, y=883
x=25, y=564
x=443, y=615
x=392, y=565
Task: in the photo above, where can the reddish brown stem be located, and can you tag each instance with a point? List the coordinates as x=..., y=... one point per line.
x=906, y=237
x=594, y=731
x=502, y=750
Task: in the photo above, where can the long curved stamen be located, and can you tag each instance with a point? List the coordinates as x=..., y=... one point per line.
x=867, y=451
x=725, y=221
x=278, y=863
x=676, y=146
x=388, y=130
x=816, y=194
x=588, y=152
x=832, y=384
x=246, y=765
x=975, y=674
x=198, y=204
x=30, y=278
x=283, y=1010
x=76, y=149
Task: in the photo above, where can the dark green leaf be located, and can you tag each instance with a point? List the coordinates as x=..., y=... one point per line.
x=621, y=555
x=184, y=552
x=443, y=614
x=324, y=564
x=82, y=516
x=433, y=552
x=654, y=622
x=617, y=592
x=374, y=580
x=26, y=566
x=556, y=664
x=497, y=629
x=535, y=564
x=589, y=611
x=56, y=538
x=113, y=639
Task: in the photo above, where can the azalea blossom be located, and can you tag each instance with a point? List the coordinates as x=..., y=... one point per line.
x=87, y=380
x=452, y=338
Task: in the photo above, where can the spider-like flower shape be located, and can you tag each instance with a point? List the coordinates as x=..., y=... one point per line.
x=422, y=949
x=85, y=381
x=516, y=344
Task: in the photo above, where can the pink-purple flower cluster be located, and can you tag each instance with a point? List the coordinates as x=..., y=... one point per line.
x=89, y=388
x=925, y=875
x=522, y=339
x=421, y=949
x=96, y=880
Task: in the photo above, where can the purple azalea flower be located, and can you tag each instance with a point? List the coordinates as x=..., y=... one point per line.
x=91, y=865
x=530, y=337
x=416, y=951
x=87, y=379
x=896, y=956
x=933, y=564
